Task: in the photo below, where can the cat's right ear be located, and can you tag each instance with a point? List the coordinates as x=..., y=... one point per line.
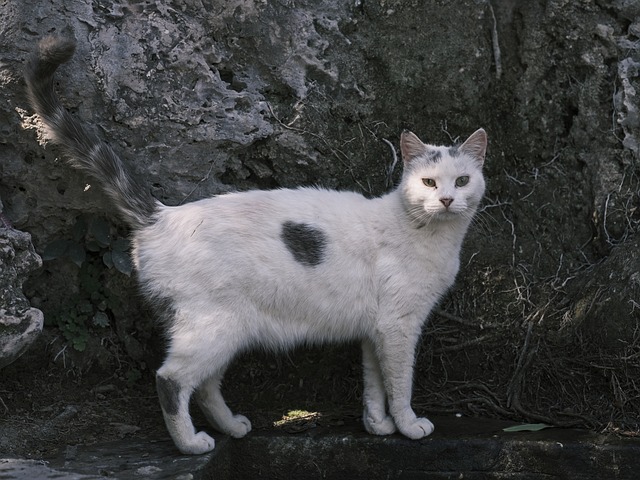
x=476, y=145
x=411, y=146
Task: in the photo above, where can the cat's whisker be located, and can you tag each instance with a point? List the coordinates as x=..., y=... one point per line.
x=484, y=221
x=419, y=217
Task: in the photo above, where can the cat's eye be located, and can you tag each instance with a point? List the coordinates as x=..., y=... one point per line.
x=429, y=182
x=462, y=181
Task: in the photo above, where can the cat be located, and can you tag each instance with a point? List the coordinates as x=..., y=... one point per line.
x=275, y=269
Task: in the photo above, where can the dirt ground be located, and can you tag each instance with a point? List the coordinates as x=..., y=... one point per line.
x=44, y=406
x=47, y=403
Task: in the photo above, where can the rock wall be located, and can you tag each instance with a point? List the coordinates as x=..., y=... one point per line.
x=20, y=324
x=204, y=97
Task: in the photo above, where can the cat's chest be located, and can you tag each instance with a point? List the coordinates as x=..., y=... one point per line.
x=422, y=264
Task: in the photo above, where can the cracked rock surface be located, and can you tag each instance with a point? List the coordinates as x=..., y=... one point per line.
x=20, y=324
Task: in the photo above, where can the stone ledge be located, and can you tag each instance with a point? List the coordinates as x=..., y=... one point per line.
x=459, y=448
x=131, y=458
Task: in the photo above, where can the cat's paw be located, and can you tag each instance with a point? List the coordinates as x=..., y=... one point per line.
x=419, y=428
x=378, y=426
x=238, y=427
x=196, y=445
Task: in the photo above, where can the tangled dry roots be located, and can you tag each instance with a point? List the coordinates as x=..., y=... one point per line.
x=567, y=353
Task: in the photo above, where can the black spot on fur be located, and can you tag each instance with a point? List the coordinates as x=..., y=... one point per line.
x=305, y=242
x=168, y=394
x=434, y=155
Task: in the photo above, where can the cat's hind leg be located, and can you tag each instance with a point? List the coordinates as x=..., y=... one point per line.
x=212, y=404
x=375, y=417
x=174, y=394
x=198, y=349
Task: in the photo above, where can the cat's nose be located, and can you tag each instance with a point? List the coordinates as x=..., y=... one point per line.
x=446, y=201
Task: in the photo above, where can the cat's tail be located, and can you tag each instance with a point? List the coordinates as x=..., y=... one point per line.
x=84, y=149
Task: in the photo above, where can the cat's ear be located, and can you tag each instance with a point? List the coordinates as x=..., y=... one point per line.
x=476, y=145
x=411, y=146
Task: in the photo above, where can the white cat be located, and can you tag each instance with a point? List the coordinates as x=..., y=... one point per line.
x=279, y=268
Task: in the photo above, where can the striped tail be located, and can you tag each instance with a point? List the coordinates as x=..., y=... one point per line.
x=83, y=149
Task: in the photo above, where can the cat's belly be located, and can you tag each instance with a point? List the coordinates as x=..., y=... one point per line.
x=321, y=308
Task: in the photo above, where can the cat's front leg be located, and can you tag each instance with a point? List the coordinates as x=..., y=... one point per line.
x=396, y=347
x=375, y=417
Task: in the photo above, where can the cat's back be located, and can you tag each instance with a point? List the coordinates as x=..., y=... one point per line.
x=256, y=225
x=306, y=202
x=257, y=210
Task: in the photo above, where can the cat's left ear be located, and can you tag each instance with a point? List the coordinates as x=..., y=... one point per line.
x=476, y=145
x=411, y=146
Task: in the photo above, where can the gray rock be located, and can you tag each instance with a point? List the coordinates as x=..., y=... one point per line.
x=19, y=468
x=131, y=458
x=627, y=102
x=20, y=324
x=17, y=333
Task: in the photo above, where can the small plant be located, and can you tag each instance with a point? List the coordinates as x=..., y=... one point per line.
x=92, y=248
x=92, y=234
x=74, y=329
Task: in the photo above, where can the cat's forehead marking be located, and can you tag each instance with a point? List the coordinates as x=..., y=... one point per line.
x=305, y=242
x=444, y=160
x=434, y=155
x=438, y=159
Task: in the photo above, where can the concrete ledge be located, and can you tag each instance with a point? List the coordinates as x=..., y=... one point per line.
x=459, y=448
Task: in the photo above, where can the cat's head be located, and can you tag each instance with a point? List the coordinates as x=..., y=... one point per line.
x=442, y=183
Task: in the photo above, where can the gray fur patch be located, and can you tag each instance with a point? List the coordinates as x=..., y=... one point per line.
x=305, y=242
x=168, y=394
x=453, y=151
x=434, y=155
x=84, y=149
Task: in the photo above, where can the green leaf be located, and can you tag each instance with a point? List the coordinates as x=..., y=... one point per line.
x=76, y=253
x=527, y=427
x=56, y=249
x=122, y=262
x=107, y=259
x=120, y=245
x=79, y=343
x=85, y=307
x=99, y=229
x=93, y=246
x=101, y=319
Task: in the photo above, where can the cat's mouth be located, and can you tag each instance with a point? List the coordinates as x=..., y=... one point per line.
x=449, y=213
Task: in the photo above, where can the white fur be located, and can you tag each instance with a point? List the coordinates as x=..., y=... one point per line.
x=234, y=285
